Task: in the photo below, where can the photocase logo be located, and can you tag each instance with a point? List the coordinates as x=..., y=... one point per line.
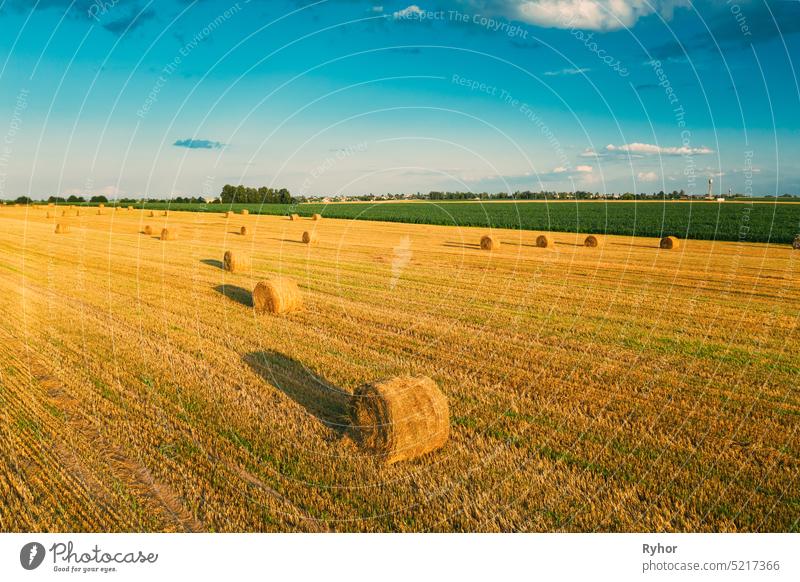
x=32, y=555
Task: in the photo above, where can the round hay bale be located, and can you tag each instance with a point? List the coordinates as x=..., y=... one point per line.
x=233, y=263
x=147, y=230
x=77, y=213
x=310, y=237
x=489, y=243
x=151, y=214
x=100, y=212
x=400, y=418
x=316, y=217
x=593, y=241
x=62, y=228
x=48, y=215
x=169, y=234
x=243, y=231
x=102, y=205
x=63, y=213
x=165, y=213
x=130, y=208
x=228, y=214
x=245, y=211
x=669, y=242
x=544, y=241
x=278, y=295
x=796, y=242
x=294, y=217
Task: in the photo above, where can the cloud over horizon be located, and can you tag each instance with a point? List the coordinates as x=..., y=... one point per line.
x=198, y=144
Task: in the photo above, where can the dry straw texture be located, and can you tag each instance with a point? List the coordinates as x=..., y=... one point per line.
x=593, y=241
x=148, y=229
x=400, y=418
x=544, y=241
x=669, y=242
x=234, y=263
x=278, y=295
x=316, y=217
x=243, y=231
x=62, y=228
x=489, y=243
x=310, y=237
x=169, y=234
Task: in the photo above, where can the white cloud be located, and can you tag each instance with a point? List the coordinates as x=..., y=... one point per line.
x=583, y=169
x=579, y=14
x=569, y=71
x=408, y=12
x=647, y=176
x=376, y=9
x=651, y=149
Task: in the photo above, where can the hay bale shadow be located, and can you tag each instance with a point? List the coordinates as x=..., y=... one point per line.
x=619, y=244
x=460, y=245
x=213, y=263
x=236, y=293
x=326, y=402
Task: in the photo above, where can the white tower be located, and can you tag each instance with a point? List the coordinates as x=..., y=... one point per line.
x=710, y=194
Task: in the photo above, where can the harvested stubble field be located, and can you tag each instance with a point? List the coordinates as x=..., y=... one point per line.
x=613, y=388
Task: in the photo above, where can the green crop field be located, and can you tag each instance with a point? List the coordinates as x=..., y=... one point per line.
x=696, y=220
x=729, y=221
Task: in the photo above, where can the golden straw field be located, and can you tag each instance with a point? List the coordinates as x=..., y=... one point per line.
x=616, y=388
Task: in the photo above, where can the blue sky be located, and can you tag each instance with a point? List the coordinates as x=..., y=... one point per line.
x=179, y=97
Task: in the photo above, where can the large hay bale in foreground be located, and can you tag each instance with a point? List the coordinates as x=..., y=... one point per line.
x=277, y=295
x=316, y=217
x=169, y=234
x=234, y=263
x=62, y=228
x=669, y=242
x=593, y=241
x=489, y=243
x=400, y=418
x=544, y=241
x=148, y=229
x=796, y=242
x=310, y=237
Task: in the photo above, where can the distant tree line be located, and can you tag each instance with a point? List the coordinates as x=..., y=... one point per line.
x=549, y=195
x=262, y=195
